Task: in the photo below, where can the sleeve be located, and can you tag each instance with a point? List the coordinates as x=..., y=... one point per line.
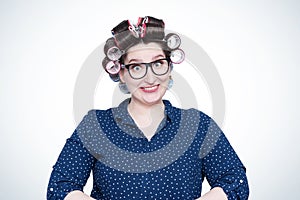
x=221, y=165
x=71, y=170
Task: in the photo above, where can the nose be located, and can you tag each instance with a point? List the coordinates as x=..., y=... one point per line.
x=150, y=76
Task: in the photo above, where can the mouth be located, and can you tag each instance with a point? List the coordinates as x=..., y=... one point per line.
x=150, y=89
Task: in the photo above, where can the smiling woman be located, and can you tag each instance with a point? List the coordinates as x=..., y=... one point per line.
x=146, y=148
x=147, y=87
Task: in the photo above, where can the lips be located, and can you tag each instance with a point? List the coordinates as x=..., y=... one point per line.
x=149, y=89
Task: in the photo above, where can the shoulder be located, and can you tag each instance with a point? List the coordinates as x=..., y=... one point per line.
x=203, y=120
x=192, y=113
x=191, y=117
x=96, y=113
x=91, y=126
x=91, y=120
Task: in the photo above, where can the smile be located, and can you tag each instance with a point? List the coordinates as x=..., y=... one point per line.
x=150, y=89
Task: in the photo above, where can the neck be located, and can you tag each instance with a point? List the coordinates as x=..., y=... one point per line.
x=146, y=115
x=137, y=108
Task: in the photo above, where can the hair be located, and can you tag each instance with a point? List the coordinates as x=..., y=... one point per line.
x=146, y=30
x=125, y=35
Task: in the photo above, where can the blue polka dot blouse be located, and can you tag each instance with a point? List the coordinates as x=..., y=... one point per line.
x=187, y=147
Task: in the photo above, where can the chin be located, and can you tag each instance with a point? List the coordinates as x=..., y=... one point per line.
x=152, y=101
x=152, y=98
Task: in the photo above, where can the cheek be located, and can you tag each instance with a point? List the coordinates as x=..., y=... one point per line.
x=125, y=77
x=131, y=83
x=165, y=78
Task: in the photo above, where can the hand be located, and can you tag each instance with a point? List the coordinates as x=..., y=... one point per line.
x=78, y=195
x=216, y=193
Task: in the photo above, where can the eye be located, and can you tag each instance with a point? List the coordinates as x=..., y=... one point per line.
x=157, y=64
x=135, y=68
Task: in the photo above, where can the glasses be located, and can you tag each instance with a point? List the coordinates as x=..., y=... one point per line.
x=139, y=70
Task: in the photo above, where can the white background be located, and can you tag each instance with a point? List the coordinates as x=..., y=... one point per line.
x=253, y=44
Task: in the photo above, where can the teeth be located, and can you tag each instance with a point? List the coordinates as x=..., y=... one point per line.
x=150, y=88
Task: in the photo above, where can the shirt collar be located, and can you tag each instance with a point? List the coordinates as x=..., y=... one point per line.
x=169, y=110
x=120, y=113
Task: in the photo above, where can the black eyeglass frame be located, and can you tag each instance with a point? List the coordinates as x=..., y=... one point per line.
x=150, y=64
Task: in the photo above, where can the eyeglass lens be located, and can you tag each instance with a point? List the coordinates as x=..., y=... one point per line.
x=139, y=70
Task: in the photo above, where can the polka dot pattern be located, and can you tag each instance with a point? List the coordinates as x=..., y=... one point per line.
x=187, y=147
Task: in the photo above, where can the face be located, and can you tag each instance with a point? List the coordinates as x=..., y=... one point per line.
x=150, y=89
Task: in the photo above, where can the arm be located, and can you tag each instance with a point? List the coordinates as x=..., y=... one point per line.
x=71, y=171
x=222, y=167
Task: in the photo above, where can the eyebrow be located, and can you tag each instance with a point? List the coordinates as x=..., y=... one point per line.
x=139, y=60
x=134, y=60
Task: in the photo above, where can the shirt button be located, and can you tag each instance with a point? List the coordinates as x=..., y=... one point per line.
x=51, y=189
x=241, y=181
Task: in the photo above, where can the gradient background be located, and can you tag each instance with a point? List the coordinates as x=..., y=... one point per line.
x=254, y=45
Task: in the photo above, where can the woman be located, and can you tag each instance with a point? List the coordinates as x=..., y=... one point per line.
x=145, y=148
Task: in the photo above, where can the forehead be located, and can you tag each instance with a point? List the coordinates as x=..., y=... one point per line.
x=144, y=52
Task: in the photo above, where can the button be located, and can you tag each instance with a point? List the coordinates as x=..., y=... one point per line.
x=51, y=189
x=241, y=181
